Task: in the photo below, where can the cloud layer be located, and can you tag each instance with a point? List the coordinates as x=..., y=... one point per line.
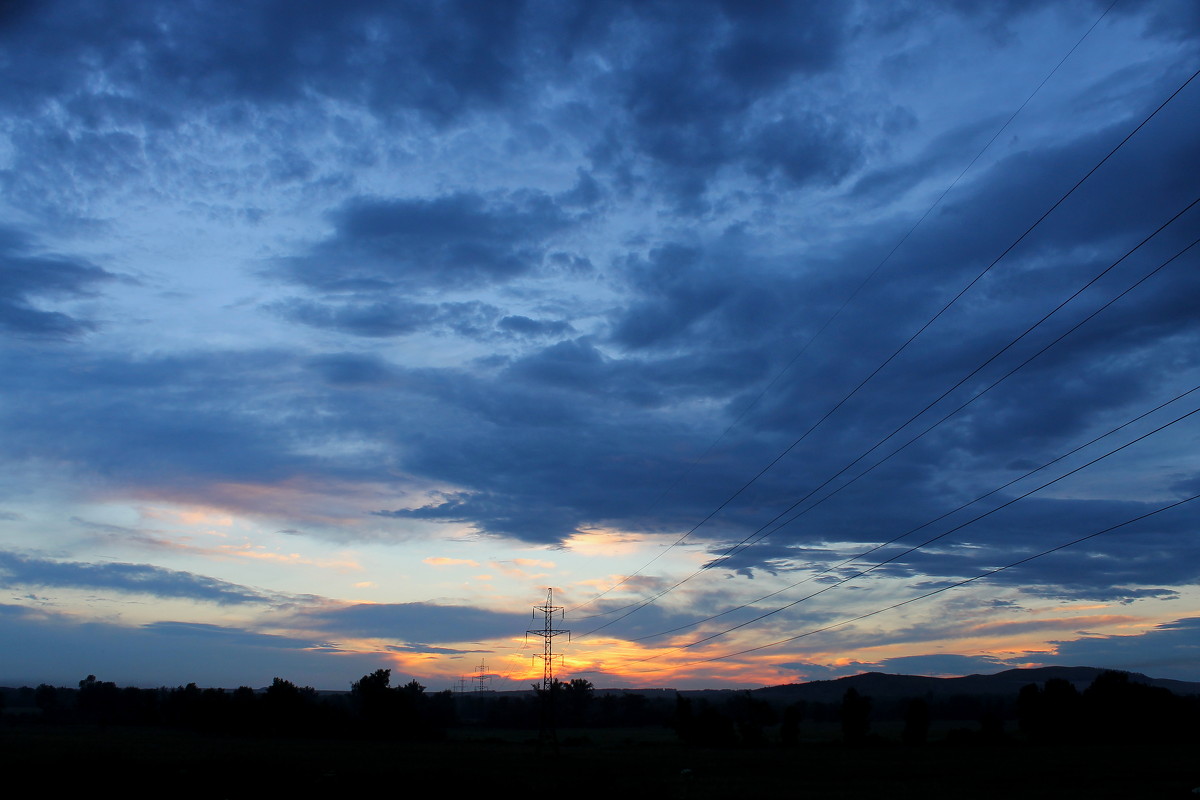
x=512, y=275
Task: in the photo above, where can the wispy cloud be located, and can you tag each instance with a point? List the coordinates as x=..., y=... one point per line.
x=17, y=570
x=442, y=561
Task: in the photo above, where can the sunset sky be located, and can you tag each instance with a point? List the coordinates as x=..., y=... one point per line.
x=334, y=333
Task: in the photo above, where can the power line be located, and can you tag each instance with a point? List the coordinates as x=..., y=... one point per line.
x=751, y=540
x=762, y=532
x=933, y=592
x=928, y=541
x=849, y=299
x=907, y=342
x=937, y=519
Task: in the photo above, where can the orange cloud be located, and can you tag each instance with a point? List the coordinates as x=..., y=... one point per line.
x=255, y=552
x=533, y=562
x=517, y=571
x=439, y=561
x=602, y=543
x=245, y=549
x=317, y=502
x=1019, y=626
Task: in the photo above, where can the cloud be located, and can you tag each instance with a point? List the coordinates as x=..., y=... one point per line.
x=190, y=417
x=441, y=561
x=415, y=622
x=1166, y=651
x=933, y=665
x=453, y=241
x=697, y=86
x=17, y=570
x=26, y=276
x=533, y=562
x=391, y=318
x=373, y=319
x=425, y=649
x=352, y=369
x=1124, y=565
x=282, y=53
x=57, y=649
x=940, y=664
x=224, y=634
x=535, y=268
x=519, y=325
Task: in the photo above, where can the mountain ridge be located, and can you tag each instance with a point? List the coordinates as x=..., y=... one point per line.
x=1006, y=683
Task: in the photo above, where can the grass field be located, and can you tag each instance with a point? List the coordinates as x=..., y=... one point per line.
x=608, y=764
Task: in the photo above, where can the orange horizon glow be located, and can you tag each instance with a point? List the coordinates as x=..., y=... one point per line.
x=641, y=666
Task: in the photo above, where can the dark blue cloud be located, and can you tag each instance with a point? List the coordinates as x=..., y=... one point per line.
x=57, y=649
x=200, y=631
x=377, y=319
x=18, y=570
x=443, y=58
x=27, y=276
x=1167, y=651
x=687, y=79
x=171, y=421
x=1142, y=560
x=941, y=664
x=414, y=622
x=936, y=664
x=446, y=242
x=520, y=325
x=352, y=369
x=430, y=650
x=371, y=319
x=593, y=422
x=497, y=515
x=691, y=77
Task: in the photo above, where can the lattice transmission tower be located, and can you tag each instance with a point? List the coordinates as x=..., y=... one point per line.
x=548, y=735
x=482, y=678
x=547, y=633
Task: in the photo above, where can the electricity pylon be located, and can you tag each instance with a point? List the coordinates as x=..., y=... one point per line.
x=482, y=678
x=549, y=733
x=548, y=632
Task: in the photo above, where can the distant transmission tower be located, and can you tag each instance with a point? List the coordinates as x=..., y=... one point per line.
x=482, y=677
x=549, y=733
x=548, y=632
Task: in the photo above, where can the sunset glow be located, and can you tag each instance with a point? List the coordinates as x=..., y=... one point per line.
x=782, y=341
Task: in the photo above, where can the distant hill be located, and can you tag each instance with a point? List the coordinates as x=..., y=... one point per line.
x=1008, y=683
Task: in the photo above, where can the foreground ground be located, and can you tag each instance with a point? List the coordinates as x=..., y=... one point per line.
x=628, y=764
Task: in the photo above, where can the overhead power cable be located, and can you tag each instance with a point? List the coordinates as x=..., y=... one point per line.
x=846, y=302
x=916, y=334
x=923, y=544
x=765, y=530
x=762, y=533
x=933, y=521
x=957, y=584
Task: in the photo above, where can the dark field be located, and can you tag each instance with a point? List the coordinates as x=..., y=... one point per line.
x=612, y=764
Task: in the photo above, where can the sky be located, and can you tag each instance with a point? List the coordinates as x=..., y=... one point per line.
x=333, y=335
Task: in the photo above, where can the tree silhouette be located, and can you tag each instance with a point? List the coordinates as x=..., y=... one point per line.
x=750, y=716
x=98, y=701
x=916, y=722
x=789, y=728
x=576, y=700
x=46, y=698
x=856, y=717
x=378, y=706
x=285, y=705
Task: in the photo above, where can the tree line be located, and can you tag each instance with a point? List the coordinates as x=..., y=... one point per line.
x=1112, y=709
